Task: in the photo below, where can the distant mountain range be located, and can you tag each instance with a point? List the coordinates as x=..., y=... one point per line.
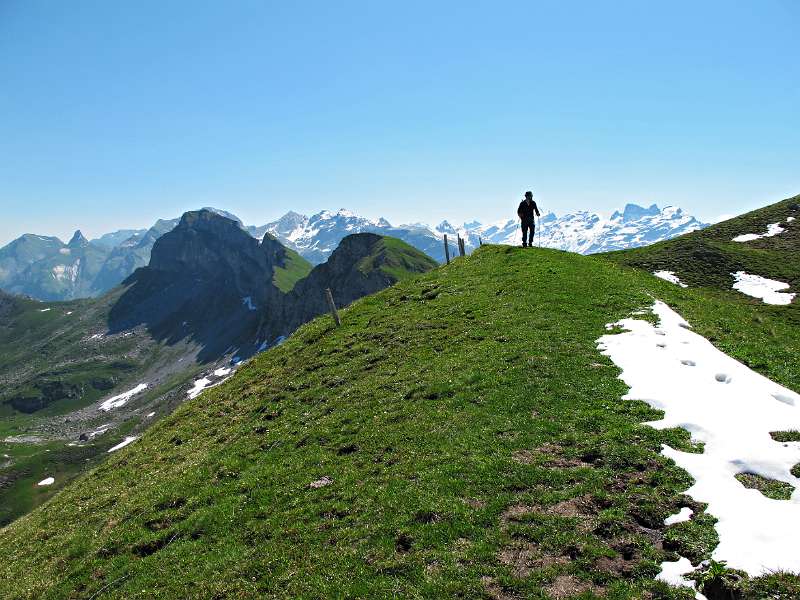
x=45, y=268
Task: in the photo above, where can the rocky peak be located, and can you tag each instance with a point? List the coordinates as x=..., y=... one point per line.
x=445, y=227
x=632, y=212
x=78, y=240
x=208, y=245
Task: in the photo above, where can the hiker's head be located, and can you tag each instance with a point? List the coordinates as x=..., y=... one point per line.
x=528, y=195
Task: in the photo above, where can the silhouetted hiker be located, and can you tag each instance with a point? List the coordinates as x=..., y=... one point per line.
x=527, y=208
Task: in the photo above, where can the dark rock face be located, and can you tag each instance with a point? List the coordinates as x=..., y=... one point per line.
x=208, y=281
x=211, y=283
x=346, y=276
x=341, y=275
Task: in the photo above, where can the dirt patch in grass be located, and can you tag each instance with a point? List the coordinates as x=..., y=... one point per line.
x=524, y=557
x=569, y=586
x=495, y=591
x=517, y=512
x=524, y=457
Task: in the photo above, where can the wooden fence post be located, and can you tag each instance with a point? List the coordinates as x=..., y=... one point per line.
x=480, y=241
x=446, y=250
x=461, y=250
x=332, y=306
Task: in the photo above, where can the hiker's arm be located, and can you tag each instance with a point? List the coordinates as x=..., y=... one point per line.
x=536, y=208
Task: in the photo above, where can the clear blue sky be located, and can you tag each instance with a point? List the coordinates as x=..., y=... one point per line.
x=116, y=113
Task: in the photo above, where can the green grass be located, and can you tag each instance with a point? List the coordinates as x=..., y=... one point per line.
x=777, y=490
x=294, y=269
x=397, y=259
x=474, y=439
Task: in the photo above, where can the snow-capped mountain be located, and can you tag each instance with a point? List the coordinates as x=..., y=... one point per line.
x=583, y=232
x=47, y=269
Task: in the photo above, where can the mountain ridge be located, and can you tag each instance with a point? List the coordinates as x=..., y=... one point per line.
x=460, y=435
x=41, y=273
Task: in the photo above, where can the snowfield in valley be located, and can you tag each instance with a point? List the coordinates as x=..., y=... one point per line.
x=731, y=410
x=121, y=399
x=768, y=290
x=122, y=444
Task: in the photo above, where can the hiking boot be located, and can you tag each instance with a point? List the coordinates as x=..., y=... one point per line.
x=524, y=245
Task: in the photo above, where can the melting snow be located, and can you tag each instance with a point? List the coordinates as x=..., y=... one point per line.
x=150, y=414
x=199, y=386
x=682, y=515
x=789, y=219
x=47, y=481
x=759, y=287
x=732, y=410
x=669, y=276
x=772, y=229
x=122, y=444
x=248, y=302
x=673, y=574
x=43, y=309
x=122, y=399
x=100, y=430
x=204, y=382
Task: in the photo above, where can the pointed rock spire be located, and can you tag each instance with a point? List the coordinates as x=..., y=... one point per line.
x=78, y=241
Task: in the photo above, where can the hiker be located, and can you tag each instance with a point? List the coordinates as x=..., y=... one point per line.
x=527, y=208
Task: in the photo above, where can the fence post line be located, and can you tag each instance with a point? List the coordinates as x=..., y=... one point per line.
x=446, y=250
x=480, y=241
x=332, y=306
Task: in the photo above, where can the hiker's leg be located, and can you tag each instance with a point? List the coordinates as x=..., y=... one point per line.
x=524, y=233
x=531, y=234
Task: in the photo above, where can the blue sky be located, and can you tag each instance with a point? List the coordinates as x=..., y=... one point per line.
x=114, y=114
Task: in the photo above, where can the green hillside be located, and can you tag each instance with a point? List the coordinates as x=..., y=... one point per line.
x=707, y=258
x=459, y=436
x=56, y=359
x=397, y=259
x=294, y=268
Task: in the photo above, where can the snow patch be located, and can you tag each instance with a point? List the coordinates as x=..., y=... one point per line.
x=47, y=481
x=122, y=444
x=772, y=229
x=674, y=573
x=669, y=276
x=732, y=410
x=121, y=399
x=150, y=414
x=222, y=372
x=682, y=515
x=199, y=386
x=768, y=290
x=789, y=219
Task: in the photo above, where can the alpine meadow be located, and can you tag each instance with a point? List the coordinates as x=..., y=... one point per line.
x=367, y=300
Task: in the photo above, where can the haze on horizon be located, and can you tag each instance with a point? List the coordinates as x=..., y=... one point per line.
x=115, y=115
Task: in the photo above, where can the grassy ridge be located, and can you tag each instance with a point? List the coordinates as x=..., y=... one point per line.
x=707, y=258
x=397, y=259
x=294, y=269
x=459, y=435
